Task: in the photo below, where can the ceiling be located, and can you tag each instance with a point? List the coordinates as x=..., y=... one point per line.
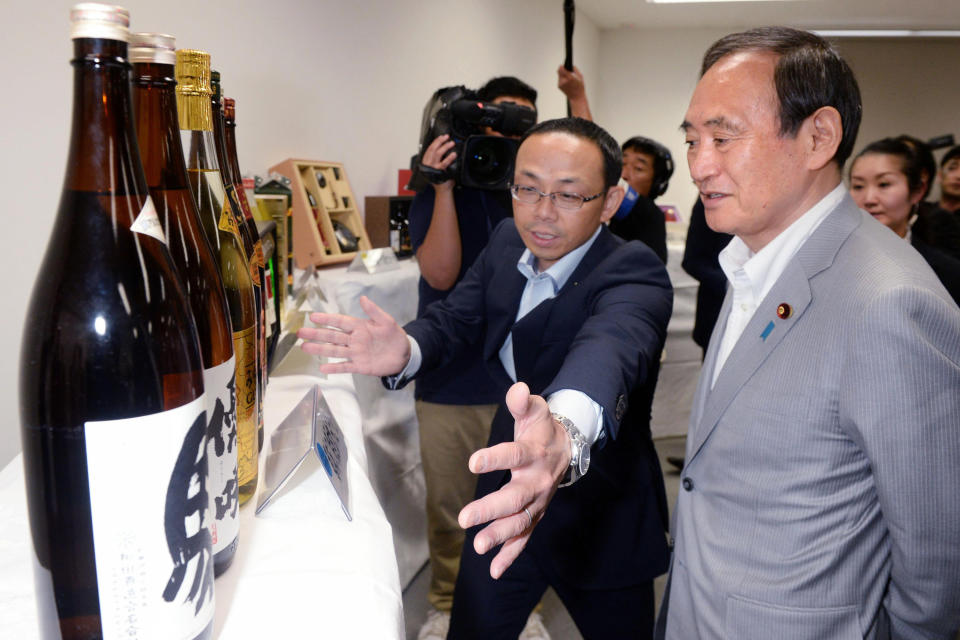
x=809, y=14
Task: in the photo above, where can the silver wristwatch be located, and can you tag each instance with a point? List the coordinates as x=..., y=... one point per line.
x=579, y=452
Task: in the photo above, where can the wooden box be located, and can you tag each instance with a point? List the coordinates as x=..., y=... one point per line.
x=321, y=196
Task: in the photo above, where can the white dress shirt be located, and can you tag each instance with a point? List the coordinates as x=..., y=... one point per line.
x=578, y=407
x=752, y=275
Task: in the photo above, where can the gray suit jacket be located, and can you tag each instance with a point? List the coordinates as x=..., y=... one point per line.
x=821, y=495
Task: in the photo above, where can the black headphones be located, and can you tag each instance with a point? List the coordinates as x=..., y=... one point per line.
x=662, y=163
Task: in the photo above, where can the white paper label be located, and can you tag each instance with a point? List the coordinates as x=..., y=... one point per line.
x=148, y=222
x=224, y=520
x=148, y=504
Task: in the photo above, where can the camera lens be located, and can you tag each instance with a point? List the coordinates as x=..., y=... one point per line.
x=487, y=163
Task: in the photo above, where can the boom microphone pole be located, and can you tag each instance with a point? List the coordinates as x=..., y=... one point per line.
x=568, y=17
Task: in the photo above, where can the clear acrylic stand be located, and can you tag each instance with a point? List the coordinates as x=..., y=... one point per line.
x=374, y=261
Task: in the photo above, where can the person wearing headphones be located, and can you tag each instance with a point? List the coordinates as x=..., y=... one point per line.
x=647, y=167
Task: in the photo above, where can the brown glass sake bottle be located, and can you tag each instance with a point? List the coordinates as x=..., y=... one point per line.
x=158, y=132
x=111, y=386
x=236, y=177
x=248, y=239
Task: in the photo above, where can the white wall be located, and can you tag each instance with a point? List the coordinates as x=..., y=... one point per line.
x=327, y=80
x=648, y=76
x=908, y=86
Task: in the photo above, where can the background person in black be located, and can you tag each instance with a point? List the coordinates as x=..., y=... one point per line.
x=647, y=167
x=886, y=181
x=950, y=181
x=700, y=261
x=455, y=404
x=934, y=226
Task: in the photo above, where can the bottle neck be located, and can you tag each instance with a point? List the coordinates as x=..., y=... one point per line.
x=158, y=128
x=230, y=141
x=220, y=142
x=104, y=156
x=196, y=131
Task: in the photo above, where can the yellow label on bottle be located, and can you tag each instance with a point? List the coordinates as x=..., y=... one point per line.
x=227, y=223
x=245, y=351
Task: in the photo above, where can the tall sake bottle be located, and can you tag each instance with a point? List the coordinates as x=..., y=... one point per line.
x=111, y=386
x=249, y=244
x=203, y=173
x=158, y=132
x=236, y=176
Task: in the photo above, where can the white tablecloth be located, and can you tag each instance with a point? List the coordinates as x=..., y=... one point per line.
x=389, y=421
x=301, y=571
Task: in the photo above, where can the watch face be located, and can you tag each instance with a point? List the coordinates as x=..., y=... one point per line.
x=584, y=459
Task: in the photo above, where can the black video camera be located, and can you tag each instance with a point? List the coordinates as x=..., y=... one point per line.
x=483, y=162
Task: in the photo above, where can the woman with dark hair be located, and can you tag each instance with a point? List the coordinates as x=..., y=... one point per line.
x=886, y=180
x=933, y=226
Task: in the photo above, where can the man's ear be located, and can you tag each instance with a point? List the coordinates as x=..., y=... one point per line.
x=611, y=202
x=823, y=132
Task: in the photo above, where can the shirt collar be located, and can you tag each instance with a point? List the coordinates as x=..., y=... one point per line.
x=561, y=270
x=765, y=267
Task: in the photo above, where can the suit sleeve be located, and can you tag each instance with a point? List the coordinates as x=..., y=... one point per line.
x=450, y=325
x=902, y=404
x=620, y=343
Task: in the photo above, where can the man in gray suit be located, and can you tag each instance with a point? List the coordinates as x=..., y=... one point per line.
x=821, y=495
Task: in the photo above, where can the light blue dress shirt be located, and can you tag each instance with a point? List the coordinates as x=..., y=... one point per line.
x=577, y=406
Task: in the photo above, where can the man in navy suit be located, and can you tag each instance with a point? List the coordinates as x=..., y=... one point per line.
x=574, y=319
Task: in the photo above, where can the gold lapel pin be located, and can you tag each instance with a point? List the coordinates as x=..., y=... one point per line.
x=784, y=311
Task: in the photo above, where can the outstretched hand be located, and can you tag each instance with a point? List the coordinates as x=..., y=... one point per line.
x=375, y=346
x=537, y=459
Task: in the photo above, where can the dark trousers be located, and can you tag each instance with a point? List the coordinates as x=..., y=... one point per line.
x=488, y=609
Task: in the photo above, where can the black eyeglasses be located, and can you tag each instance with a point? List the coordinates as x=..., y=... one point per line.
x=562, y=199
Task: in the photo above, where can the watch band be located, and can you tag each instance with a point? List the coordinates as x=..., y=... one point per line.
x=577, y=446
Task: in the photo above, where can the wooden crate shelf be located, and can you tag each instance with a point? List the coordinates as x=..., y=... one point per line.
x=314, y=240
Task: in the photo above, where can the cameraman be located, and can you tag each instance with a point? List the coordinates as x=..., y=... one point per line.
x=647, y=167
x=449, y=227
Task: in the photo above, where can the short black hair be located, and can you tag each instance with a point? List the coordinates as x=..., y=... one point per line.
x=949, y=155
x=507, y=86
x=911, y=164
x=809, y=74
x=927, y=163
x=609, y=149
x=662, y=162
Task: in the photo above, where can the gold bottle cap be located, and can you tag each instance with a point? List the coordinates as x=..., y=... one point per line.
x=95, y=20
x=193, y=72
x=193, y=90
x=158, y=48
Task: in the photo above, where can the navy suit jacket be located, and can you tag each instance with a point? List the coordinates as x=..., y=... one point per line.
x=602, y=335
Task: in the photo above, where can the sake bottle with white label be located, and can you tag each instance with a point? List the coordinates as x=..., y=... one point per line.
x=220, y=227
x=158, y=132
x=112, y=401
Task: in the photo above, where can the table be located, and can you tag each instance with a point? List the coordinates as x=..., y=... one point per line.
x=390, y=426
x=301, y=570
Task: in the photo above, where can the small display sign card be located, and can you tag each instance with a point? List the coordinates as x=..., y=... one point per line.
x=308, y=432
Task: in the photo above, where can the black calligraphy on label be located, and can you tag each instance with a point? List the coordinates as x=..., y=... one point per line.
x=189, y=471
x=222, y=430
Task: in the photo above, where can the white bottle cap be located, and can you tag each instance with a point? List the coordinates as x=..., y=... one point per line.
x=158, y=48
x=95, y=20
